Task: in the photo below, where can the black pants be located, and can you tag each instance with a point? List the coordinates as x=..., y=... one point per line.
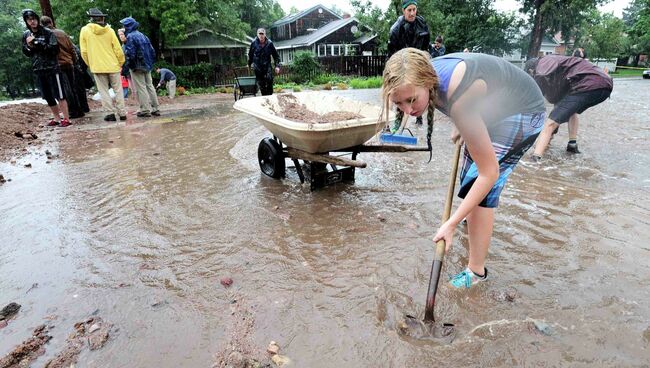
x=265, y=81
x=74, y=107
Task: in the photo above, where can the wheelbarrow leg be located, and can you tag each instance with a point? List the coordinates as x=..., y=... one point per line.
x=301, y=175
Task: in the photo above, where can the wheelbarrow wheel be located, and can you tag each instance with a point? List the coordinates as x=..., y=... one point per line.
x=271, y=158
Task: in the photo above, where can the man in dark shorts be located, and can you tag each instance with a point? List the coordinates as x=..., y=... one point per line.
x=40, y=44
x=572, y=85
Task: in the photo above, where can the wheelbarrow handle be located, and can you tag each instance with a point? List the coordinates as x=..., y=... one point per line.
x=439, y=255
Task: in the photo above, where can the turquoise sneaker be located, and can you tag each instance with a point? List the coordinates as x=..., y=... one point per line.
x=466, y=279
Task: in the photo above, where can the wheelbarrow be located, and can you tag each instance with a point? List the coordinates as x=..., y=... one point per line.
x=244, y=86
x=321, y=146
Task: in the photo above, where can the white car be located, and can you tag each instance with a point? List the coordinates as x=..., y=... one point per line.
x=646, y=74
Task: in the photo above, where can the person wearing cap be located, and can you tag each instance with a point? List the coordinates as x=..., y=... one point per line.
x=140, y=57
x=101, y=51
x=410, y=30
x=67, y=58
x=41, y=45
x=259, y=57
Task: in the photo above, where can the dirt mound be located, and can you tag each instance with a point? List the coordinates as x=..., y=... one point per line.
x=20, y=127
x=292, y=109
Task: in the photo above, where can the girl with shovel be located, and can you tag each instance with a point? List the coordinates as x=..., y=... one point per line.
x=497, y=110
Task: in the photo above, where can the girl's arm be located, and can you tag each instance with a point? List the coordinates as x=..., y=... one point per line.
x=473, y=131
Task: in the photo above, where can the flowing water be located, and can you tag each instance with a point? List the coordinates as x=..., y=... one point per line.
x=140, y=223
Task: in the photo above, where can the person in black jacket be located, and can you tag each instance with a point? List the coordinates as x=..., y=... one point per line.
x=259, y=56
x=410, y=30
x=40, y=44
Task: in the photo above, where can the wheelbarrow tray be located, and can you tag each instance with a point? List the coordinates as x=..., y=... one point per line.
x=316, y=137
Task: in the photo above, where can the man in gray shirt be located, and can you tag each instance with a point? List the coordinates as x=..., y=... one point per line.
x=168, y=78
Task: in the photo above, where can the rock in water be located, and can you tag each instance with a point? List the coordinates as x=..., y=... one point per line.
x=281, y=360
x=9, y=310
x=226, y=281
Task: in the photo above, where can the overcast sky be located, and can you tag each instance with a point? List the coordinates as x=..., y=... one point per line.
x=615, y=6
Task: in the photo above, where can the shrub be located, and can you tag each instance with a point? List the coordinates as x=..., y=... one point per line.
x=297, y=89
x=180, y=90
x=327, y=86
x=341, y=86
x=305, y=66
x=190, y=76
x=361, y=83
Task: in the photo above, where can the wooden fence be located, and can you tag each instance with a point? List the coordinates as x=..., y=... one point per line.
x=361, y=66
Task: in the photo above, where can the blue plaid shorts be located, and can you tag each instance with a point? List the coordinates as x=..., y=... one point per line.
x=511, y=138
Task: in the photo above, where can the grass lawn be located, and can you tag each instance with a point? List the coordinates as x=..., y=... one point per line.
x=622, y=73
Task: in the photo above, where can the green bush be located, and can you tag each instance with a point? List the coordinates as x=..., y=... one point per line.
x=305, y=66
x=188, y=76
x=363, y=83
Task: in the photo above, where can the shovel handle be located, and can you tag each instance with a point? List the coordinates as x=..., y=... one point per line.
x=436, y=267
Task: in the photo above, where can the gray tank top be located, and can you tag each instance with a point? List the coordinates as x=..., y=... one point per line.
x=510, y=90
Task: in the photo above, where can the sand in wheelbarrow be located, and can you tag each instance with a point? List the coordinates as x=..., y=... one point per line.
x=292, y=109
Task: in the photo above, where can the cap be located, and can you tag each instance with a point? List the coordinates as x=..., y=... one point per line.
x=406, y=3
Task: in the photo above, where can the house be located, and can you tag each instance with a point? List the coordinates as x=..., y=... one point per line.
x=549, y=46
x=207, y=46
x=323, y=32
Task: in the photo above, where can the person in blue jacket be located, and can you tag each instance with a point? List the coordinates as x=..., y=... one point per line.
x=140, y=57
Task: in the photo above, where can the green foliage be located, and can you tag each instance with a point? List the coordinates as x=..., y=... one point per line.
x=305, y=66
x=260, y=13
x=602, y=35
x=15, y=68
x=188, y=76
x=169, y=21
x=551, y=16
x=639, y=30
x=462, y=23
x=364, y=83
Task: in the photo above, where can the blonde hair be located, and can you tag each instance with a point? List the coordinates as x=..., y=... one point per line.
x=410, y=66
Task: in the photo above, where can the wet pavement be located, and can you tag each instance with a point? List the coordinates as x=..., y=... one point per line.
x=139, y=223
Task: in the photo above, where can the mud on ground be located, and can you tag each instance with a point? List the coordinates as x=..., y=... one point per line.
x=23, y=126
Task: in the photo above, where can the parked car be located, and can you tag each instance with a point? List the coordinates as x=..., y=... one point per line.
x=646, y=74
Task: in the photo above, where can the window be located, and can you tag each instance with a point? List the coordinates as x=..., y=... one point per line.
x=336, y=50
x=322, y=50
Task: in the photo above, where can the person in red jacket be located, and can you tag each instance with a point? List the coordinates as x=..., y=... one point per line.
x=572, y=85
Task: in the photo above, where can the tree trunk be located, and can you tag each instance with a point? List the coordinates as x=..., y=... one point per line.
x=538, y=31
x=46, y=9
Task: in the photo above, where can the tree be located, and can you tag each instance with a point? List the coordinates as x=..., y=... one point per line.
x=603, y=35
x=260, y=13
x=470, y=23
x=553, y=16
x=639, y=29
x=15, y=68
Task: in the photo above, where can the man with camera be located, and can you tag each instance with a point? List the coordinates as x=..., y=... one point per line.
x=40, y=44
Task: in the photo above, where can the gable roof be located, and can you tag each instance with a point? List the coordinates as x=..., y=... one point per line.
x=549, y=41
x=293, y=17
x=210, y=39
x=310, y=39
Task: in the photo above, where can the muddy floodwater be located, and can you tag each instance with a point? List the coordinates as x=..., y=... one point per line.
x=140, y=223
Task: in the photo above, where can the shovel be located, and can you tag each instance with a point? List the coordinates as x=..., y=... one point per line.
x=427, y=329
x=440, y=245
